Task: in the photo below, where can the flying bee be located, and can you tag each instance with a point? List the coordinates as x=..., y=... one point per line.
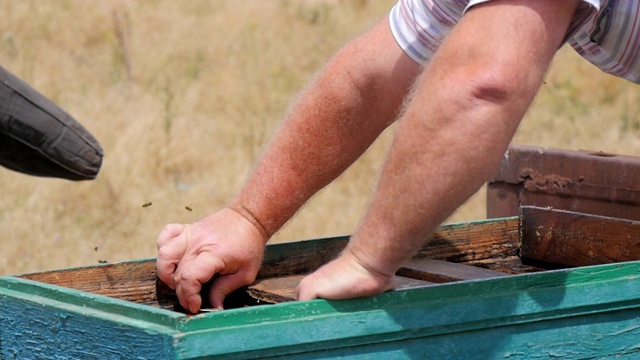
x=188, y=208
x=147, y=204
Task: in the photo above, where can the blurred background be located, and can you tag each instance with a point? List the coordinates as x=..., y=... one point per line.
x=183, y=95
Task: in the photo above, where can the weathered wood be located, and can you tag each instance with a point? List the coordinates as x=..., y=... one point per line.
x=134, y=281
x=282, y=289
x=518, y=317
x=580, y=313
x=438, y=271
x=276, y=289
x=576, y=239
x=487, y=241
x=462, y=242
x=583, y=181
x=493, y=240
x=300, y=257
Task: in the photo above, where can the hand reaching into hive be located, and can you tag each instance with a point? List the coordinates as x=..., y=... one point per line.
x=224, y=243
x=453, y=128
x=343, y=278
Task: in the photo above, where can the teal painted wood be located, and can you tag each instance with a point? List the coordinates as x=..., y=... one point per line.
x=582, y=313
x=39, y=321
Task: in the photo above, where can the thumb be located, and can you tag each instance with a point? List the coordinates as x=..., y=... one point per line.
x=304, y=291
x=167, y=234
x=224, y=285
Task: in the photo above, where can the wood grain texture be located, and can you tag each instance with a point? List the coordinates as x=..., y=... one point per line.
x=578, y=313
x=576, y=239
x=282, y=289
x=41, y=321
x=588, y=312
x=276, y=289
x=438, y=271
x=488, y=243
x=134, y=281
x=582, y=181
x=473, y=242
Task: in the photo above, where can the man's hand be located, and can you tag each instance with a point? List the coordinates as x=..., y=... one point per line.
x=343, y=278
x=224, y=243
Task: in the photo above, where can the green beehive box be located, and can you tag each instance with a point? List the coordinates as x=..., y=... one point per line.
x=472, y=292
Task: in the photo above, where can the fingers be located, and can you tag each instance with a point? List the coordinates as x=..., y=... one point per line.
x=225, y=285
x=169, y=232
x=223, y=243
x=342, y=278
x=304, y=291
x=172, y=244
x=190, y=276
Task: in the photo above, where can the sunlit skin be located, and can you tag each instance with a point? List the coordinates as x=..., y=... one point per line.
x=446, y=145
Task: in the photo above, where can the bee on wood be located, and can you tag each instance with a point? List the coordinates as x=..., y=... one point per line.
x=188, y=208
x=147, y=204
x=95, y=248
x=102, y=262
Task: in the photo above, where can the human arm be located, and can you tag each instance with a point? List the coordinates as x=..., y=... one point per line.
x=464, y=111
x=351, y=102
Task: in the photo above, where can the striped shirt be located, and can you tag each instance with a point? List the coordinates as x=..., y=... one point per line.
x=604, y=32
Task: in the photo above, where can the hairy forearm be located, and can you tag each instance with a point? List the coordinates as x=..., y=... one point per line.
x=323, y=135
x=340, y=115
x=428, y=174
x=455, y=130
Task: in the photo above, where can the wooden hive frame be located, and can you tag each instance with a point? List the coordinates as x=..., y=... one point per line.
x=480, y=289
x=122, y=311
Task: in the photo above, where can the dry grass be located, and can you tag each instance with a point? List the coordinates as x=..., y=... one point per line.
x=183, y=95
